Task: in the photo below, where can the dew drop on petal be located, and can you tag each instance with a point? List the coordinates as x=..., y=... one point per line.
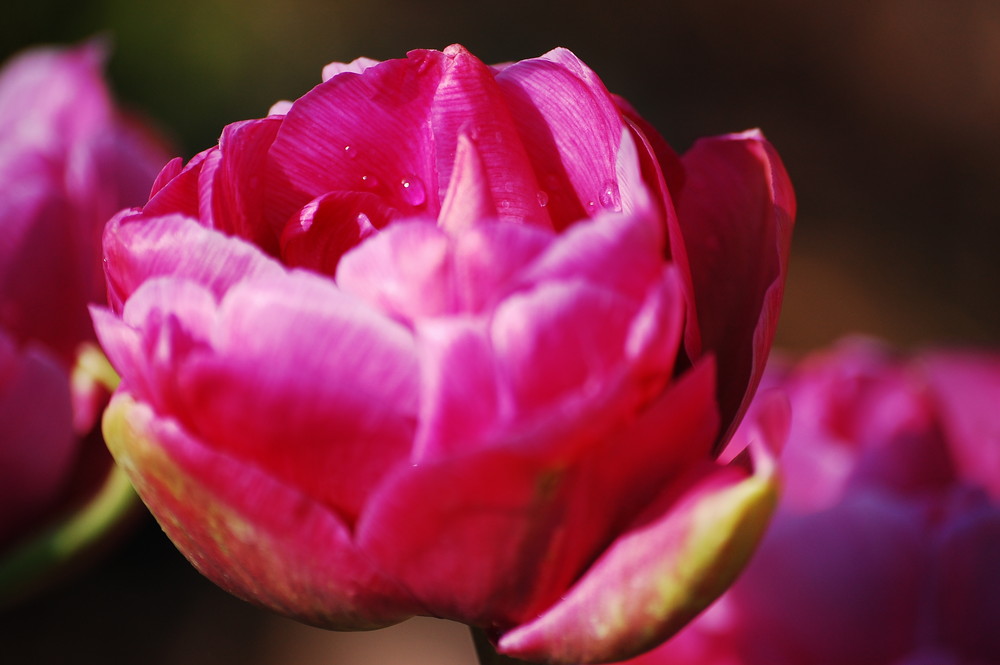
x=413, y=190
x=350, y=151
x=543, y=199
x=609, y=196
x=369, y=181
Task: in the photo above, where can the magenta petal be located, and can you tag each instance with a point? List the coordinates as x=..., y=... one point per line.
x=465, y=534
x=572, y=131
x=469, y=102
x=48, y=258
x=468, y=200
x=377, y=123
x=251, y=534
x=968, y=591
x=232, y=189
x=37, y=443
x=459, y=393
x=677, y=556
x=838, y=586
x=966, y=387
x=487, y=261
x=138, y=248
x=331, y=414
x=736, y=210
x=182, y=193
x=405, y=271
x=326, y=228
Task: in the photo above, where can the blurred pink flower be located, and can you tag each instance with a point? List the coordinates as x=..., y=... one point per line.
x=68, y=161
x=886, y=545
x=449, y=339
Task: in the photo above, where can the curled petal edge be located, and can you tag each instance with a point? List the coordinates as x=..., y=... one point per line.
x=670, y=565
x=253, y=536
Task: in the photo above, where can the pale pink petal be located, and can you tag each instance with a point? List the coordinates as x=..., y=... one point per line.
x=459, y=387
x=253, y=535
x=736, y=209
x=405, y=271
x=138, y=248
x=357, y=66
x=488, y=259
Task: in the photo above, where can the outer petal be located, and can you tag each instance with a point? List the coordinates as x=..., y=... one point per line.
x=966, y=388
x=37, y=441
x=677, y=557
x=138, y=248
x=331, y=414
x=252, y=535
x=736, y=209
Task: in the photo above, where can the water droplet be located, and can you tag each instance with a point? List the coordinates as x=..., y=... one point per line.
x=543, y=199
x=591, y=204
x=609, y=196
x=350, y=151
x=369, y=181
x=505, y=203
x=413, y=190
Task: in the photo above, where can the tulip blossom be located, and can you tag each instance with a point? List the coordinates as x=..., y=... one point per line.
x=455, y=340
x=68, y=161
x=885, y=547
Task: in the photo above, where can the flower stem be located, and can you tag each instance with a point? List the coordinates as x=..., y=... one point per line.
x=487, y=653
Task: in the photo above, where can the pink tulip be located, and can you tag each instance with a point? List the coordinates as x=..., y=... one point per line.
x=68, y=160
x=448, y=339
x=886, y=545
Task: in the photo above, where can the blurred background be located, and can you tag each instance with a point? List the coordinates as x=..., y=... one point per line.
x=886, y=112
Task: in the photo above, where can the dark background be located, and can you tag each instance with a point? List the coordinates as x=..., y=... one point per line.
x=886, y=112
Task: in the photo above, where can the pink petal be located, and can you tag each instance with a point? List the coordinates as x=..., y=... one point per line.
x=181, y=194
x=331, y=414
x=48, y=255
x=138, y=248
x=37, y=443
x=468, y=200
x=966, y=388
x=232, y=190
x=251, y=534
x=405, y=271
x=680, y=553
x=838, y=586
x=572, y=131
x=968, y=590
x=469, y=102
x=357, y=66
x=736, y=210
x=328, y=227
x=360, y=132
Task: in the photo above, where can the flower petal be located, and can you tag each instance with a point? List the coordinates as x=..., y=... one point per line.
x=572, y=131
x=736, y=210
x=249, y=533
x=138, y=248
x=680, y=554
x=38, y=445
